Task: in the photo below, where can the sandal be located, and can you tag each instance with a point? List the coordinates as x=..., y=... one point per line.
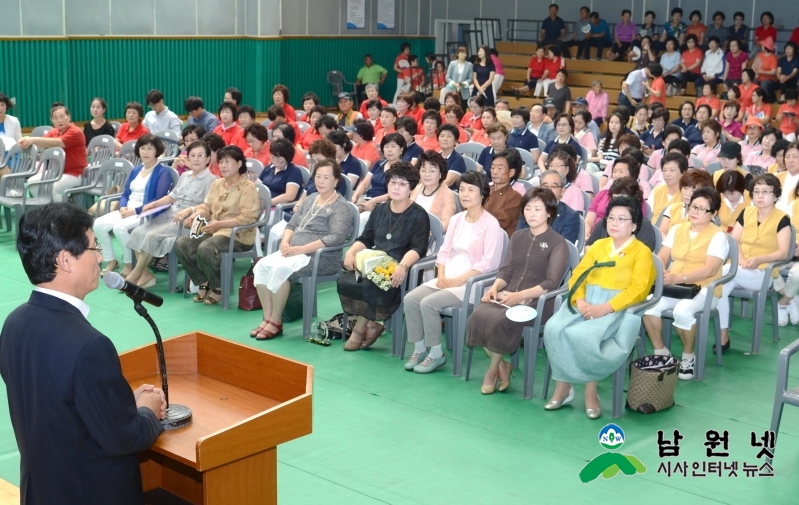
x=264, y=334
x=212, y=301
x=198, y=298
x=257, y=330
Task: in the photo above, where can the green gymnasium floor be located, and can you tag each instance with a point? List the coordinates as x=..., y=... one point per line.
x=383, y=435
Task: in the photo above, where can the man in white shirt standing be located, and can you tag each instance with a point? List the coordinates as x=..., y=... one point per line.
x=633, y=89
x=712, y=66
x=160, y=118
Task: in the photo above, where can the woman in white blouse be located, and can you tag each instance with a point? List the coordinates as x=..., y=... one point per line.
x=9, y=125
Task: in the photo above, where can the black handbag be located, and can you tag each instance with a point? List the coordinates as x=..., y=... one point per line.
x=682, y=291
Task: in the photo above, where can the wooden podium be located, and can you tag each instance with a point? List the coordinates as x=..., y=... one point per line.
x=244, y=402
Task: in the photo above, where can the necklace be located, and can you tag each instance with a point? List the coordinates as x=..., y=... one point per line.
x=434, y=191
x=402, y=214
x=312, y=214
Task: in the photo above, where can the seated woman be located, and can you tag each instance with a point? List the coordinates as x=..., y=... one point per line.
x=563, y=159
x=564, y=127
x=448, y=140
x=624, y=167
x=583, y=134
x=98, y=125
x=624, y=142
x=498, y=141
x=401, y=229
x=711, y=138
x=407, y=127
x=372, y=93
x=190, y=133
x=687, y=112
x=436, y=198
x=373, y=189
x=283, y=130
x=670, y=134
x=311, y=134
x=350, y=166
x=751, y=139
x=147, y=183
x=763, y=234
x=246, y=117
x=696, y=250
x=732, y=188
x=228, y=127
x=231, y=201
x=133, y=128
x=258, y=141
x=282, y=177
x=672, y=167
x=534, y=265
x=624, y=187
x=778, y=151
x=156, y=238
x=428, y=139
x=460, y=257
x=453, y=114
x=733, y=129
x=504, y=202
x=280, y=98
x=608, y=144
x=487, y=118
x=473, y=122
x=761, y=158
x=729, y=159
x=322, y=220
x=364, y=148
x=591, y=335
x=652, y=139
x=309, y=101
x=677, y=212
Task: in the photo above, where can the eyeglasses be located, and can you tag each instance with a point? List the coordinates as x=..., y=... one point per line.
x=98, y=248
x=620, y=220
x=551, y=186
x=699, y=210
x=759, y=192
x=398, y=184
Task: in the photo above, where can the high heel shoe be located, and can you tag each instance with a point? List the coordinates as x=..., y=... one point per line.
x=504, y=385
x=724, y=347
x=594, y=413
x=556, y=404
x=488, y=390
x=354, y=342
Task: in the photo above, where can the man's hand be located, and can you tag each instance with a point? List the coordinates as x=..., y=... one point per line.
x=148, y=396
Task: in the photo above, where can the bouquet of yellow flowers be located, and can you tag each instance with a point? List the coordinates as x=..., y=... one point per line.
x=377, y=266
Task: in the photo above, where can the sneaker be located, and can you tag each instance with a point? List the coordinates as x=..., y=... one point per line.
x=430, y=365
x=793, y=311
x=416, y=358
x=782, y=315
x=686, y=369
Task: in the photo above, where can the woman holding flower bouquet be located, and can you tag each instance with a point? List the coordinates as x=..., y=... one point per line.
x=401, y=229
x=472, y=246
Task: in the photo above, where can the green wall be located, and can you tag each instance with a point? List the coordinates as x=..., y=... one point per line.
x=73, y=71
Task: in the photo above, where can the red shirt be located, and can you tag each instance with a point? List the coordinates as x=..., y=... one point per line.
x=366, y=152
x=430, y=144
x=692, y=56
x=787, y=125
x=746, y=94
x=308, y=138
x=124, y=135
x=762, y=33
x=291, y=114
x=299, y=159
x=480, y=137
x=401, y=57
x=382, y=132
x=767, y=62
x=74, y=148
x=264, y=156
x=233, y=136
x=463, y=137
x=714, y=102
x=472, y=122
x=293, y=124
x=553, y=66
x=658, y=85
x=363, y=111
x=537, y=67
x=795, y=36
x=439, y=80
x=415, y=74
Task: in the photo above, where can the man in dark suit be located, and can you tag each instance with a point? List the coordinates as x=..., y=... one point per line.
x=77, y=423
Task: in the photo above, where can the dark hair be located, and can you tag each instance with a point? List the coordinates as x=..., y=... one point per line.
x=403, y=170
x=46, y=231
x=193, y=103
x=703, y=106
x=310, y=96
x=479, y=100
x=731, y=180
x=771, y=131
x=695, y=178
x=199, y=144
x=791, y=94
x=555, y=51
x=153, y=96
x=454, y=95
x=713, y=124
x=195, y=128
x=326, y=121
x=247, y=109
x=738, y=14
x=340, y=138
x=436, y=159
x=719, y=13
x=627, y=186
x=545, y=196
x=679, y=158
x=567, y=154
x=235, y=94
x=585, y=115
x=793, y=45
x=282, y=148
x=431, y=103
x=632, y=205
x=695, y=13
x=750, y=73
x=676, y=10
x=408, y=124
x=691, y=37
x=390, y=110
x=328, y=162
x=674, y=42
x=149, y=139
x=715, y=39
x=365, y=129
x=757, y=91
x=766, y=180
x=412, y=58
x=522, y=111
x=130, y=105
x=236, y=154
x=323, y=147
x=609, y=135
x=636, y=154
x=514, y=160
x=655, y=69
x=709, y=194
x=594, y=15
x=781, y=144
x=682, y=146
x=214, y=141
x=373, y=104
x=568, y=118
x=4, y=99
x=769, y=15
x=650, y=13
x=102, y=101
x=397, y=138
x=279, y=88
x=661, y=113
x=497, y=127
x=689, y=103
x=231, y=107
x=286, y=130
x=672, y=129
x=259, y=131
x=275, y=111
x=432, y=114
x=318, y=109
x=633, y=165
x=448, y=128
x=626, y=11
x=477, y=179
x=409, y=98
x=404, y=46
x=624, y=113
x=455, y=109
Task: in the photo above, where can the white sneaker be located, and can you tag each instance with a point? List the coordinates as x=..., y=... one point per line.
x=793, y=311
x=782, y=315
x=686, y=369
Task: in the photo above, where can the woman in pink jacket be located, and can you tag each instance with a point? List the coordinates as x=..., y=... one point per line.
x=472, y=246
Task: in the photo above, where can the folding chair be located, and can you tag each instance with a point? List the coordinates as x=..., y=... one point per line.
x=21, y=164
x=128, y=152
x=111, y=173
x=783, y=394
x=51, y=169
x=470, y=149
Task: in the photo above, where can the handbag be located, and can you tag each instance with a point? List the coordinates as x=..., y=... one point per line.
x=248, y=296
x=682, y=291
x=653, y=380
x=293, y=309
x=332, y=330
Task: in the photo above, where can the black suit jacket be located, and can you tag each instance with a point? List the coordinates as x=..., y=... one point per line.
x=75, y=419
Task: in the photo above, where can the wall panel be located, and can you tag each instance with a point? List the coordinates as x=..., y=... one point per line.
x=42, y=18
x=216, y=18
x=132, y=17
x=41, y=84
x=79, y=22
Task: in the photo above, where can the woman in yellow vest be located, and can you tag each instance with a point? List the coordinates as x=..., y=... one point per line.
x=677, y=213
x=763, y=234
x=672, y=167
x=592, y=334
x=734, y=198
x=730, y=160
x=697, y=249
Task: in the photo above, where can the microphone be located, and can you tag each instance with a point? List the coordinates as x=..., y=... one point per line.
x=115, y=281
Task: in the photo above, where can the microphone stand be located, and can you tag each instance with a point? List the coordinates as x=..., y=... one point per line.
x=177, y=416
